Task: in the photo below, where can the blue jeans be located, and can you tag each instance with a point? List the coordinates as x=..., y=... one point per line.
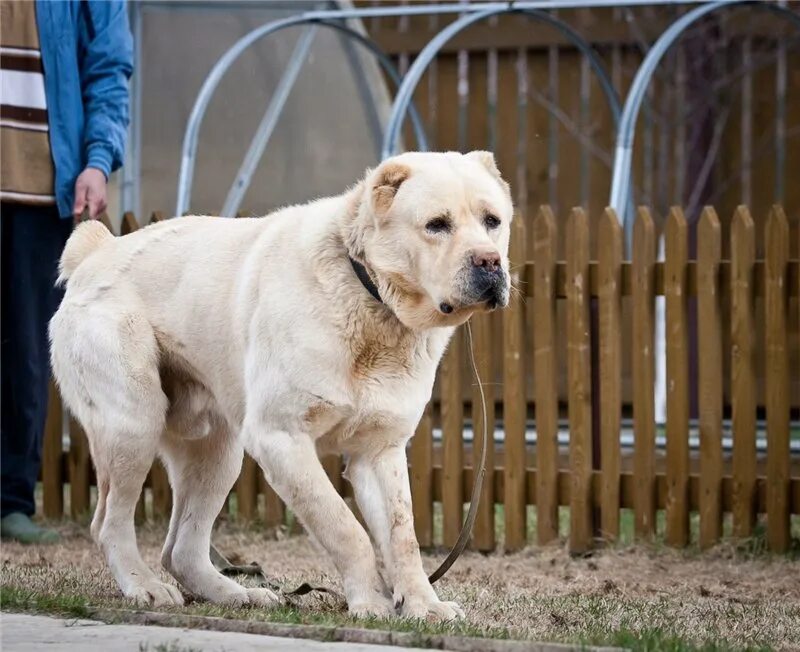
x=32, y=240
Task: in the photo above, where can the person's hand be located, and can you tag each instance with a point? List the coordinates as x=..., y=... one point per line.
x=90, y=193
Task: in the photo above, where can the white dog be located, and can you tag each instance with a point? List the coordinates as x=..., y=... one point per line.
x=314, y=330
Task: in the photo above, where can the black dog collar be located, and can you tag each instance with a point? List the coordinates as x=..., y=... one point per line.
x=366, y=281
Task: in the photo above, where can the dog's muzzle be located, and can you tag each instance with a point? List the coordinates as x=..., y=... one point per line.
x=487, y=285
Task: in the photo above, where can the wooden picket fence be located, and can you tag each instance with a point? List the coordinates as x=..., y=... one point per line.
x=738, y=302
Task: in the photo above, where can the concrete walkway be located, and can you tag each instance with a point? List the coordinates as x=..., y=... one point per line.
x=23, y=633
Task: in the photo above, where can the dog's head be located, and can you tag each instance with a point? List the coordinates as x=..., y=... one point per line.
x=433, y=228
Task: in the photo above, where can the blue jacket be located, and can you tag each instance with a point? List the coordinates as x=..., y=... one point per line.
x=87, y=55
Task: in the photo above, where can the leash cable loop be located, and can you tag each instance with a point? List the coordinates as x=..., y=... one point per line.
x=474, y=500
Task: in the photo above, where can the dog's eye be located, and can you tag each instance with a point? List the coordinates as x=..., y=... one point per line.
x=491, y=222
x=438, y=225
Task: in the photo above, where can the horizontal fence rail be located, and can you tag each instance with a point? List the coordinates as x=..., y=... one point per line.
x=585, y=322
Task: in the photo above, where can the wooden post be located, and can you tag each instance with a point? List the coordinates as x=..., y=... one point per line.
x=514, y=401
x=52, y=448
x=247, y=490
x=333, y=468
x=743, y=373
x=483, y=536
x=609, y=247
x=129, y=223
x=421, y=475
x=777, y=380
x=162, y=494
x=677, y=332
x=105, y=221
x=709, y=254
x=79, y=467
x=452, y=440
x=545, y=367
x=274, y=509
x=579, y=377
x=643, y=372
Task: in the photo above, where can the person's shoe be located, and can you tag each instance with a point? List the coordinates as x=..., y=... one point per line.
x=19, y=527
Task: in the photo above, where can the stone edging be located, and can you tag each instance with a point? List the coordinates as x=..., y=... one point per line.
x=331, y=633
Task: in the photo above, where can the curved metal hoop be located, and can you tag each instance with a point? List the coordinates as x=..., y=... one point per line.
x=411, y=80
x=191, y=136
x=390, y=69
x=621, y=178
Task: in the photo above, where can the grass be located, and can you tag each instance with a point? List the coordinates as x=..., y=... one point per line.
x=736, y=597
x=16, y=598
x=649, y=639
x=649, y=598
x=655, y=640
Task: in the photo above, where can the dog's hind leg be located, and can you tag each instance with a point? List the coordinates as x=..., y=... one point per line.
x=126, y=472
x=202, y=472
x=106, y=364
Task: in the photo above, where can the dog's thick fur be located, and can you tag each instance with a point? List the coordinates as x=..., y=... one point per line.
x=199, y=338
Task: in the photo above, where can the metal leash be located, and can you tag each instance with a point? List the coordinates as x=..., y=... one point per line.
x=255, y=570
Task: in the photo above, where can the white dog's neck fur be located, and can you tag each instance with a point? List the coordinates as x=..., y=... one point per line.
x=379, y=340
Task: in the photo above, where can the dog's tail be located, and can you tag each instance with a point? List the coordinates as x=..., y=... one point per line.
x=87, y=238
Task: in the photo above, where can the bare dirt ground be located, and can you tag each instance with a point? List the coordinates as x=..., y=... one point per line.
x=722, y=596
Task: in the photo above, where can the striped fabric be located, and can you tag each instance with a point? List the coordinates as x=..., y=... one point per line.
x=25, y=158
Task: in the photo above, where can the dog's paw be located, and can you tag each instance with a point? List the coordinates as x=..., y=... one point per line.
x=373, y=609
x=153, y=593
x=434, y=611
x=263, y=598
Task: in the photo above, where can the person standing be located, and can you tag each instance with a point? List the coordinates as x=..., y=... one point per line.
x=64, y=70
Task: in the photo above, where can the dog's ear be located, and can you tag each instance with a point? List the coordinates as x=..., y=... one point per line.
x=486, y=159
x=386, y=182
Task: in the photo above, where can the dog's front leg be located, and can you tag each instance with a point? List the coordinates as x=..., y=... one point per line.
x=292, y=468
x=381, y=486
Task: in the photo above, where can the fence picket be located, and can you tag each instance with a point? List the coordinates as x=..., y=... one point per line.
x=710, y=488
x=777, y=380
x=79, y=468
x=677, y=341
x=52, y=451
x=643, y=371
x=545, y=368
x=274, y=509
x=162, y=494
x=579, y=382
x=743, y=372
x=452, y=440
x=483, y=537
x=709, y=320
x=514, y=401
x=105, y=220
x=333, y=468
x=129, y=223
x=421, y=475
x=247, y=490
x=609, y=248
